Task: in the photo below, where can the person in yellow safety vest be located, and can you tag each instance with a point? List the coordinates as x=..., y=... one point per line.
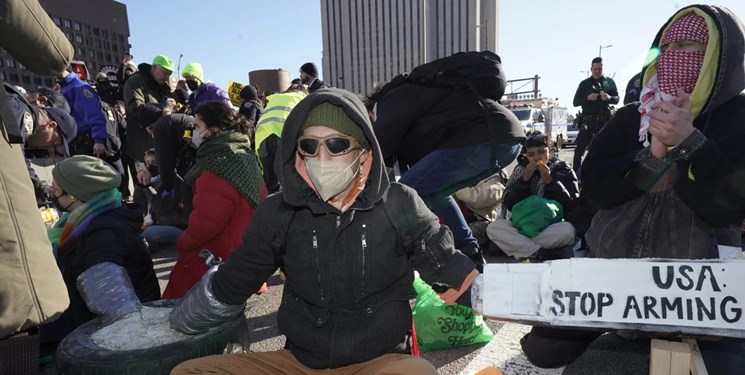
x=269, y=130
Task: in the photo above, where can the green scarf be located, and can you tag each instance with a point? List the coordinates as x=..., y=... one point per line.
x=228, y=154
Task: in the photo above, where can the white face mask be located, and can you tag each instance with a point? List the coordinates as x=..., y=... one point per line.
x=331, y=177
x=198, y=138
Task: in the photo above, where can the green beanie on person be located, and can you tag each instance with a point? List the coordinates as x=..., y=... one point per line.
x=84, y=176
x=334, y=117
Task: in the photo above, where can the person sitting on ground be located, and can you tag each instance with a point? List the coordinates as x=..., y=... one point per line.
x=227, y=186
x=164, y=220
x=666, y=173
x=106, y=267
x=201, y=91
x=544, y=175
x=348, y=257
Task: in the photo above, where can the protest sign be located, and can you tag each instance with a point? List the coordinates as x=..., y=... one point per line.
x=654, y=295
x=234, y=91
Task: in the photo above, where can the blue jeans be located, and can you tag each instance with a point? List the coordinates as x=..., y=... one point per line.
x=161, y=236
x=443, y=172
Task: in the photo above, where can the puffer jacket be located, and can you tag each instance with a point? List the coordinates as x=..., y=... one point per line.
x=348, y=274
x=686, y=205
x=141, y=88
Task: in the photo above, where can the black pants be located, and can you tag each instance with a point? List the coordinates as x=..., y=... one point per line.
x=129, y=170
x=583, y=140
x=552, y=347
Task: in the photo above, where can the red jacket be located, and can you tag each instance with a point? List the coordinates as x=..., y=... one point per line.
x=219, y=216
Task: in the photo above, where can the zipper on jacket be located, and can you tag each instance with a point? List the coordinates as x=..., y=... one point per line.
x=364, y=249
x=338, y=221
x=318, y=265
x=424, y=250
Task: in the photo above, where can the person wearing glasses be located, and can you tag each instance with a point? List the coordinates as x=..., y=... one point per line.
x=348, y=241
x=545, y=175
x=226, y=185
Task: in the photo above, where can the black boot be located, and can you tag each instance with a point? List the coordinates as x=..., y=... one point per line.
x=474, y=253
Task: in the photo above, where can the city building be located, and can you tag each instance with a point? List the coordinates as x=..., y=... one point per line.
x=369, y=41
x=97, y=29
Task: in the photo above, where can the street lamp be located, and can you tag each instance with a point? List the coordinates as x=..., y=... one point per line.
x=600, y=50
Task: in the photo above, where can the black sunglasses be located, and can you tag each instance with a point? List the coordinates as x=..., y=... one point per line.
x=338, y=144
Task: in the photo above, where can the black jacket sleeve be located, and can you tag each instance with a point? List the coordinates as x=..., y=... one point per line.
x=519, y=190
x=612, y=91
x=580, y=97
x=168, y=135
x=254, y=261
x=563, y=188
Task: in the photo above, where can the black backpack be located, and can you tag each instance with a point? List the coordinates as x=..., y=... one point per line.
x=477, y=72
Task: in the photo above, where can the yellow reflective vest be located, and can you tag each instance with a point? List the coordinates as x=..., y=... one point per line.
x=273, y=119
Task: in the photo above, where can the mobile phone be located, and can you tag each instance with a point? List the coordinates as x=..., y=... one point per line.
x=140, y=166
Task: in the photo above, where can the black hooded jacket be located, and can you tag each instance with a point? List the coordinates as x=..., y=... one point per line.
x=111, y=237
x=348, y=275
x=705, y=174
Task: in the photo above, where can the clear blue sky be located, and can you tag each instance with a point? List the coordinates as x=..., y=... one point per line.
x=554, y=39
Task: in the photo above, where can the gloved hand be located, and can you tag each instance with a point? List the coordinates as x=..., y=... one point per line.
x=108, y=292
x=199, y=310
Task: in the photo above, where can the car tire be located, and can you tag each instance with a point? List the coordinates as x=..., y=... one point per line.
x=78, y=354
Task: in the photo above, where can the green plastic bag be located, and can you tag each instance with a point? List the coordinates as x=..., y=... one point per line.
x=440, y=326
x=533, y=214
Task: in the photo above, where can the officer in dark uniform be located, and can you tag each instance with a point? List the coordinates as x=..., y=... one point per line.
x=595, y=95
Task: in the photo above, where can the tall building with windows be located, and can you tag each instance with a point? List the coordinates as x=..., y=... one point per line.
x=368, y=41
x=97, y=29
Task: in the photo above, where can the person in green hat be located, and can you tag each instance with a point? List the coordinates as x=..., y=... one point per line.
x=105, y=264
x=202, y=91
x=148, y=85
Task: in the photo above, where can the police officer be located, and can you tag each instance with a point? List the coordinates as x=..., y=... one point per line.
x=595, y=94
x=32, y=283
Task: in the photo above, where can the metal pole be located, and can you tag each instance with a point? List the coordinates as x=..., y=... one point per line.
x=179, y=65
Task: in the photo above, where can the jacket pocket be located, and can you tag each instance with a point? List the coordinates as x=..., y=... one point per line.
x=304, y=324
x=384, y=325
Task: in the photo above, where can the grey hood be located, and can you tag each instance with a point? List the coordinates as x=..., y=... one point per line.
x=295, y=190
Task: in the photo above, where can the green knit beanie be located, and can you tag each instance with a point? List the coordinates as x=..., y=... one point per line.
x=84, y=176
x=334, y=117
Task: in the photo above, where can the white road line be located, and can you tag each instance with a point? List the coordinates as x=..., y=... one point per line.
x=504, y=352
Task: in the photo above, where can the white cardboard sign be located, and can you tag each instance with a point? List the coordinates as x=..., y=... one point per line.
x=655, y=295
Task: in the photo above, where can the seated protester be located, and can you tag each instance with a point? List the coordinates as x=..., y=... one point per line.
x=164, y=224
x=666, y=173
x=544, y=175
x=226, y=184
x=106, y=267
x=344, y=309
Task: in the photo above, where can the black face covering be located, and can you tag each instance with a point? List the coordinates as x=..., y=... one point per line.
x=192, y=84
x=57, y=205
x=153, y=170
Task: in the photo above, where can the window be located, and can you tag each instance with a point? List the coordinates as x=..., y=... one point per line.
x=48, y=82
x=106, y=45
x=121, y=38
x=2, y=76
x=116, y=48
x=108, y=57
x=57, y=21
x=26, y=80
x=91, y=54
x=98, y=43
x=80, y=51
x=14, y=77
x=100, y=55
x=21, y=66
x=105, y=33
x=68, y=35
x=10, y=63
x=66, y=23
x=96, y=31
x=76, y=26
x=88, y=41
x=37, y=81
x=88, y=29
x=78, y=38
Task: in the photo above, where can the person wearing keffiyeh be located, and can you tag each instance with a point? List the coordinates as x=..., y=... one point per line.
x=667, y=173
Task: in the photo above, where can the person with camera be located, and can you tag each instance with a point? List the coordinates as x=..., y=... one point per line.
x=595, y=94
